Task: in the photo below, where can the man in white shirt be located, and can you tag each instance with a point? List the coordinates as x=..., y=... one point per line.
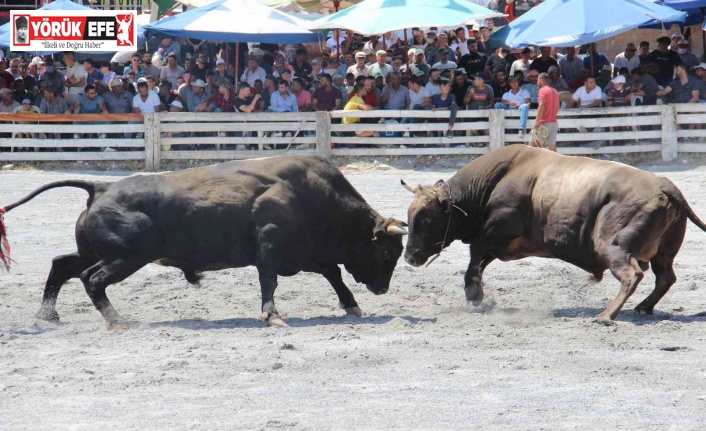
x=461, y=45
x=627, y=58
x=588, y=96
x=516, y=98
x=145, y=101
x=253, y=73
x=523, y=64
x=359, y=68
x=75, y=77
x=444, y=63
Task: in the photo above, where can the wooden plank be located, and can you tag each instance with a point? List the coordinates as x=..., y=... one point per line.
x=71, y=156
x=71, y=128
x=408, y=151
x=497, y=132
x=593, y=112
x=151, y=139
x=414, y=127
x=228, y=155
x=690, y=107
x=61, y=118
x=408, y=114
x=596, y=136
x=232, y=140
x=669, y=135
x=589, y=123
x=624, y=149
x=691, y=119
x=227, y=117
x=410, y=141
x=73, y=143
x=691, y=148
x=692, y=133
x=272, y=126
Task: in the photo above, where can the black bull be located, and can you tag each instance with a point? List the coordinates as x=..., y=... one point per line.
x=282, y=214
x=517, y=202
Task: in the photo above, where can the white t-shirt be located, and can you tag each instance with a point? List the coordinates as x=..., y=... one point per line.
x=518, y=98
x=77, y=72
x=449, y=65
x=520, y=65
x=146, y=107
x=331, y=43
x=584, y=98
x=417, y=98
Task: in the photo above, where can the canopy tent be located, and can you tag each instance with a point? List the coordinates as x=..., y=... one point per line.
x=235, y=21
x=380, y=16
x=693, y=8
x=683, y=4
x=563, y=23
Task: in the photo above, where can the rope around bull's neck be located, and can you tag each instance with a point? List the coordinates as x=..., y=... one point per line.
x=448, y=226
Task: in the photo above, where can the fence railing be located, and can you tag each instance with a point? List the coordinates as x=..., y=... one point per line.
x=153, y=138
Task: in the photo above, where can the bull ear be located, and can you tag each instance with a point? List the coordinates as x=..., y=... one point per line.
x=439, y=183
x=393, y=230
x=407, y=186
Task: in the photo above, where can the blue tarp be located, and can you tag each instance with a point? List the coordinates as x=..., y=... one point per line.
x=563, y=23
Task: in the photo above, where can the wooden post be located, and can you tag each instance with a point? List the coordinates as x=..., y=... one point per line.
x=323, y=134
x=152, y=141
x=669, y=133
x=496, y=118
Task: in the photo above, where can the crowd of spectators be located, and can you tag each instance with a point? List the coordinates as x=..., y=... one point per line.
x=435, y=69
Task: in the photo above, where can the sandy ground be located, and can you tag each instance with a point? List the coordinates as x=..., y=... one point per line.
x=199, y=358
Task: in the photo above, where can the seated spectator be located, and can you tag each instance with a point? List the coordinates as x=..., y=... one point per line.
x=88, y=103
x=685, y=56
x=52, y=103
x=172, y=71
x=459, y=86
x=196, y=98
x=166, y=96
x=25, y=107
x=571, y=68
x=433, y=86
x=700, y=72
x=167, y=46
x=8, y=104
x=326, y=97
x=223, y=101
x=479, y=96
x=282, y=100
x=253, y=72
x=354, y=104
x=136, y=67
x=532, y=87
x=595, y=60
x=587, y=96
x=221, y=74
x=516, y=98
x=21, y=92
x=380, y=67
x=212, y=87
x=500, y=60
x=682, y=89
x=145, y=101
x=359, y=68
x=542, y=63
x=30, y=82
x=419, y=97
x=620, y=93
x=523, y=64
x=303, y=97
x=474, y=61
x=662, y=61
x=147, y=64
x=446, y=101
x=444, y=63
x=627, y=58
x=302, y=68
x=54, y=79
x=202, y=66
x=500, y=85
x=108, y=75
x=92, y=74
x=395, y=95
x=117, y=100
x=245, y=102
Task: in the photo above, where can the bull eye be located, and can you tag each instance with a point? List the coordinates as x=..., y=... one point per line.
x=386, y=254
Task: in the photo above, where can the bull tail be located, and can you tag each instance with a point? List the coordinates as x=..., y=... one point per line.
x=676, y=195
x=91, y=188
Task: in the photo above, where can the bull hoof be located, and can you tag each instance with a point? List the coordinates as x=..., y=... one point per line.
x=48, y=315
x=354, y=311
x=117, y=326
x=474, y=293
x=273, y=320
x=641, y=309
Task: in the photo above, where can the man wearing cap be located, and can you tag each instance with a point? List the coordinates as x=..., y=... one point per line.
x=571, y=68
x=444, y=63
x=542, y=63
x=665, y=60
x=221, y=73
x=194, y=99
x=682, y=89
x=480, y=95
x=545, y=126
x=442, y=43
x=532, y=88
x=619, y=93
x=55, y=80
x=516, y=98
x=676, y=38
x=380, y=67
x=359, y=68
x=253, y=72
x=474, y=61
x=685, y=56
x=700, y=72
x=172, y=71
x=145, y=101
x=522, y=65
x=117, y=100
x=8, y=104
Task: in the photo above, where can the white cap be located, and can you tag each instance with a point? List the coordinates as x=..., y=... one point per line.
x=220, y=61
x=701, y=66
x=37, y=60
x=620, y=79
x=177, y=104
x=677, y=35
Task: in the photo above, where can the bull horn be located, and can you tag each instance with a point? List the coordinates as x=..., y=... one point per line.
x=428, y=193
x=396, y=230
x=407, y=186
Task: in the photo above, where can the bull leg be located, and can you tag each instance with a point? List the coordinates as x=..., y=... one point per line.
x=345, y=297
x=268, y=284
x=101, y=275
x=63, y=268
x=664, y=273
x=630, y=274
x=474, y=275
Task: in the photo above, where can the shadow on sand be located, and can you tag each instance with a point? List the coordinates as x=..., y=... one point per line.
x=628, y=315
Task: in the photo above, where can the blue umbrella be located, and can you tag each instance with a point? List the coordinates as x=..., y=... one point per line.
x=235, y=21
x=380, y=16
x=577, y=22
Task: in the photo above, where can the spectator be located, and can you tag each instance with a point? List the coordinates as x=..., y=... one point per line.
x=647, y=84
x=245, y=102
x=433, y=86
x=302, y=96
x=15, y=67
x=326, y=97
x=52, y=103
x=444, y=63
x=685, y=56
x=166, y=47
x=286, y=76
x=373, y=45
x=192, y=47
x=460, y=86
x=542, y=63
x=532, y=88
x=315, y=72
x=117, y=100
x=302, y=68
x=252, y=73
x=380, y=67
x=108, y=75
x=460, y=47
x=483, y=45
x=446, y=101
x=674, y=43
x=145, y=101
x=571, y=68
x=21, y=92
x=516, y=98
x=194, y=100
x=522, y=65
x=420, y=66
x=30, y=82
x=223, y=101
x=644, y=51
x=588, y=96
x=627, y=58
x=395, y=95
x=339, y=83
x=147, y=64
x=166, y=96
x=92, y=74
x=221, y=74
x=8, y=104
x=419, y=98
x=25, y=107
x=498, y=61
x=372, y=97
x=442, y=42
x=202, y=66
x=545, y=126
x=136, y=67
x=594, y=60
x=480, y=96
x=282, y=100
x=76, y=77
x=55, y=80
x=359, y=68
x=665, y=61
x=474, y=61
x=354, y=104
x=499, y=85
x=88, y=103
x=172, y=71
x=700, y=72
x=7, y=78
x=682, y=89
x=347, y=62
x=212, y=86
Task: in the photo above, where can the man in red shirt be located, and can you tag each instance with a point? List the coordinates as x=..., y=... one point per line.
x=545, y=126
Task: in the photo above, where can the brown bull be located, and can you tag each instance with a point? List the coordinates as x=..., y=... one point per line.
x=517, y=202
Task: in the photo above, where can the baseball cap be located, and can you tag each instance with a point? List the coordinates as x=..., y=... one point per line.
x=620, y=79
x=683, y=42
x=677, y=34
x=443, y=51
x=418, y=51
x=664, y=40
x=37, y=60
x=116, y=83
x=5, y=90
x=177, y=104
x=381, y=52
x=143, y=79
x=199, y=83
x=480, y=75
x=26, y=101
x=460, y=71
x=701, y=66
x=552, y=69
x=360, y=54
x=220, y=61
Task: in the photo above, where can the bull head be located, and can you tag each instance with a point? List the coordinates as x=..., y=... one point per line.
x=426, y=192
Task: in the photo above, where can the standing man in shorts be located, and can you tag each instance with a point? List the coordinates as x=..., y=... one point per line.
x=545, y=126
